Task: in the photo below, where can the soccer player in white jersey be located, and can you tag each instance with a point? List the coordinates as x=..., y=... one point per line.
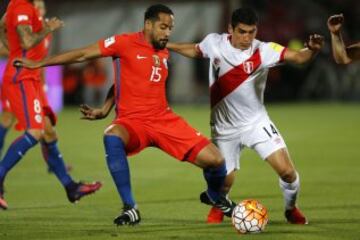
x=341, y=53
x=239, y=65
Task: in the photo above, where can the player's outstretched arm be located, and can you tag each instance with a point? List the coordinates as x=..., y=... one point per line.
x=186, y=49
x=313, y=46
x=342, y=54
x=90, y=113
x=29, y=39
x=72, y=56
x=353, y=51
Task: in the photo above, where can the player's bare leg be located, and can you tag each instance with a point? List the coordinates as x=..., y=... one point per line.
x=289, y=183
x=115, y=140
x=215, y=215
x=211, y=160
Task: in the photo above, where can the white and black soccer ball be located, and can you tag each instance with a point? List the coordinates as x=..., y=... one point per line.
x=249, y=216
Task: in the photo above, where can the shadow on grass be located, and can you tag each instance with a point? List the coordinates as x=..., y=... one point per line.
x=196, y=199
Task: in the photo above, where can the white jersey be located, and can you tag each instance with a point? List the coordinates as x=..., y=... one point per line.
x=237, y=82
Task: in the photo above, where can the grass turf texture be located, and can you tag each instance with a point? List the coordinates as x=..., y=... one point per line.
x=323, y=140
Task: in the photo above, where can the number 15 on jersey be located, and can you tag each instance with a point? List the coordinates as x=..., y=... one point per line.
x=155, y=74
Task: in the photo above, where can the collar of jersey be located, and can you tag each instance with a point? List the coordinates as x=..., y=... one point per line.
x=246, y=51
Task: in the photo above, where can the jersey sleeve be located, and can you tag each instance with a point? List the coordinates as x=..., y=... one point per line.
x=23, y=15
x=114, y=46
x=204, y=47
x=273, y=54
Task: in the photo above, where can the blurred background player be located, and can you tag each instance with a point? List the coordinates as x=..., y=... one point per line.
x=27, y=34
x=342, y=54
x=144, y=118
x=7, y=118
x=94, y=80
x=239, y=64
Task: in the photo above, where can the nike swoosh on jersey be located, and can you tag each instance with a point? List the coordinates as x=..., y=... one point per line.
x=140, y=57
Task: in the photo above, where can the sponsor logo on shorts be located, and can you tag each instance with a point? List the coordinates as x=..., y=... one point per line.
x=38, y=118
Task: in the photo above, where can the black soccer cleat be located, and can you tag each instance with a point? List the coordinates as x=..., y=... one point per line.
x=224, y=204
x=75, y=191
x=129, y=216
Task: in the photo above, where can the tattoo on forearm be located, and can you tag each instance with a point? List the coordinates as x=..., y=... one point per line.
x=28, y=38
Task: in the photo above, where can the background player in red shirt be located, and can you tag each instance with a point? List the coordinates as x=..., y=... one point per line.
x=143, y=116
x=7, y=118
x=26, y=36
x=342, y=54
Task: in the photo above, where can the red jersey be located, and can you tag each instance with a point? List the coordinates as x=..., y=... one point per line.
x=140, y=75
x=22, y=12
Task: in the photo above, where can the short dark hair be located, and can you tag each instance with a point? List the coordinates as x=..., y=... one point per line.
x=244, y=15
x=152, y=13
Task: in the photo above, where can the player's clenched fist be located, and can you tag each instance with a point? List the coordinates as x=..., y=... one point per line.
x=315, y=42
x=335, y=23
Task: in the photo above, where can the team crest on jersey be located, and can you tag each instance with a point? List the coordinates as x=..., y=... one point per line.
x=156, y=59
x=248, y=67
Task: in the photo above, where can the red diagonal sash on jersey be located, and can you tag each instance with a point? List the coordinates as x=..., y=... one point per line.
x=233, y=78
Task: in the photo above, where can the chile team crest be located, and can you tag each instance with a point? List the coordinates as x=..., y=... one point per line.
x=156, y=59
x=248, y=67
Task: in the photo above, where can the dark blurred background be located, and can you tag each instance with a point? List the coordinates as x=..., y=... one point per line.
x=287, y=22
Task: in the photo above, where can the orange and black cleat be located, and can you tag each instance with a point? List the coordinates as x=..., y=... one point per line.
x=78, y=190
x=295, y=216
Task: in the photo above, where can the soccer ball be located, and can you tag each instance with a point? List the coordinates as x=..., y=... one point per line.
x=249, y=216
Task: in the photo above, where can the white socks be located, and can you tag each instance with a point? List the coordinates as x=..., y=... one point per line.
x=290, y=191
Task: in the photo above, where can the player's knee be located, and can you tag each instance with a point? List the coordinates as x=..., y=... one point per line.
x=50, y=134
x=216, y=160
x=7, y=119
x=118, y=131
x=288, y=175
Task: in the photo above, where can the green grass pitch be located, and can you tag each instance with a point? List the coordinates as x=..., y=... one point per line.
x=323, y=139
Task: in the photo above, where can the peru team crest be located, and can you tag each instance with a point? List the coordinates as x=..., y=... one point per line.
x=248, y=67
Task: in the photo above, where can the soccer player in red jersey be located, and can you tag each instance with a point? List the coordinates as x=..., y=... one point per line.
x=7, y=118
x=342, y=54
x=143, y=117
x=26, y=35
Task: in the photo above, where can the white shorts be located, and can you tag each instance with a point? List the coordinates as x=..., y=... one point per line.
x=263, y=137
